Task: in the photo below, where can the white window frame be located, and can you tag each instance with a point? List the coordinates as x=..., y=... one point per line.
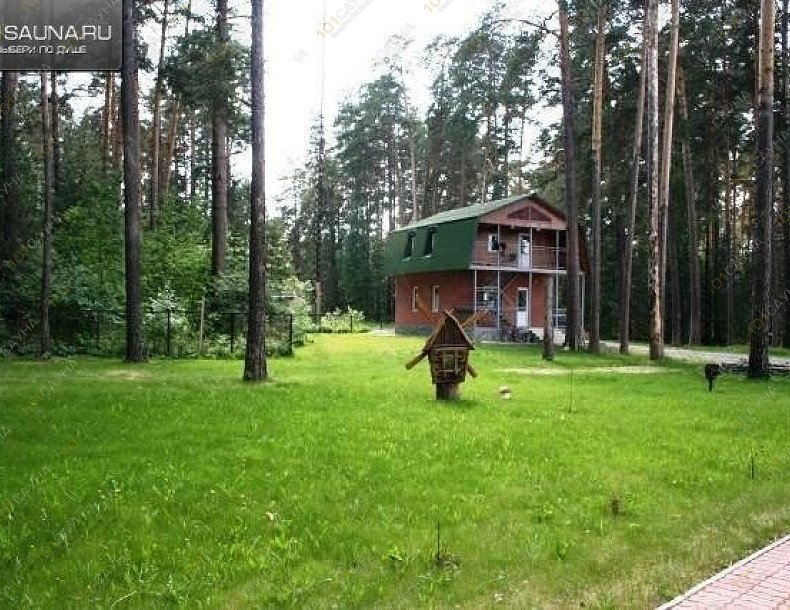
x=492, y=237
x=414, y=296
x=435, y=299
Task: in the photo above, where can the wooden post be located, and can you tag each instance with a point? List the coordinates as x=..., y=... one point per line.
x=232, y=332
x=447, y=391
x=291, y=334
x=499, y=281
x=474, y=305
x=169, y=328
x=580, y=280
x=202, y=326
x=548, y=320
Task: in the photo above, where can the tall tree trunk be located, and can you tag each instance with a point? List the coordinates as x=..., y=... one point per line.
x=46, y=263
x=255, y=362
x=55, y=114
x=219, y=160
x=320, y=211
x=117, y=130
x=573, y=331
x=709, y=329
x=166, y=168
x=415, y=216
x=135, y=336
x=156, y=130
x=595, y=279
x=175, y=120
x=716, y=235
x=107, y=113
x=761, y=264
x=691, y=215
x=506, y=162
x=9, y=194
x=633, y=199
x=674, y=275
x=656, y=330
x=729, y=236
x=785, y=208
x=657, y=351
x=192, y=158
x=669, y=123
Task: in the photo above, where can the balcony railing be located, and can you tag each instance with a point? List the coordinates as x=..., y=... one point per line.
x=506, y=317
x=539, y=258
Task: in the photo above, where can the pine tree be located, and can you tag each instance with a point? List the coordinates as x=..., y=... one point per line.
x=135, y=337
x=255, y=368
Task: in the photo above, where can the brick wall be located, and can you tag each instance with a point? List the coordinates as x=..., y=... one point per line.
x=455, y=291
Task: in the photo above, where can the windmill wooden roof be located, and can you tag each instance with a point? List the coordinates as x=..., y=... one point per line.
x=449, y=333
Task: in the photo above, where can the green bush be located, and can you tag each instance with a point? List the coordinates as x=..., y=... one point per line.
x=348, y=321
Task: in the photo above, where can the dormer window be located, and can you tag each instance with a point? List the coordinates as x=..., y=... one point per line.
x=430, y=242
x=409, y=245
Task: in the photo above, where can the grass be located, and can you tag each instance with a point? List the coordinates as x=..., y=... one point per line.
x=176, y=484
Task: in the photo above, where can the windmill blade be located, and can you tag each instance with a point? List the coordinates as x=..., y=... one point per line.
x=415, y=361
x=424, y=311
x=474, y=318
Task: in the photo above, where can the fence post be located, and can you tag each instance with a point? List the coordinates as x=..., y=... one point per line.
x=232, y=332
x=351, y=321
x=98, y=330
x=202, y=326
x=169, y=322
x=291, y=334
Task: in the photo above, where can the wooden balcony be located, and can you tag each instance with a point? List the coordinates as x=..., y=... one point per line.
x=539, y=259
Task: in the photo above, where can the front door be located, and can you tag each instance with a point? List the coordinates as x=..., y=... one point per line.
x=522, y=309
x=524, y=251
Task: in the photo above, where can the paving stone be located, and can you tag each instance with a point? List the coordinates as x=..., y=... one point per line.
x=762, y=580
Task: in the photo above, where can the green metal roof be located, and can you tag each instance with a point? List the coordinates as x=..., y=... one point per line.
x=455, y=230
x=470, y=211
x=452, y=247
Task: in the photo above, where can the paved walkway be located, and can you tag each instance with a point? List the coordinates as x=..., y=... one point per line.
x=690, y=355
x=762, y=580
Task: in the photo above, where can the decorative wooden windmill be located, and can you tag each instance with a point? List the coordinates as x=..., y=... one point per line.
x=447, y=350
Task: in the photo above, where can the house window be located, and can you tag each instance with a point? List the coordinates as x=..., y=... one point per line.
x=409, y=246
x=487, y=298
x=493, y=242
x=430, y=242
x=435, y=300
x=414, y=297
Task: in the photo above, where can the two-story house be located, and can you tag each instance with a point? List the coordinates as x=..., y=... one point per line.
x=494, y=257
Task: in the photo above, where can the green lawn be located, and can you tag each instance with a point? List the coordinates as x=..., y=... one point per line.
x=177, y=484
